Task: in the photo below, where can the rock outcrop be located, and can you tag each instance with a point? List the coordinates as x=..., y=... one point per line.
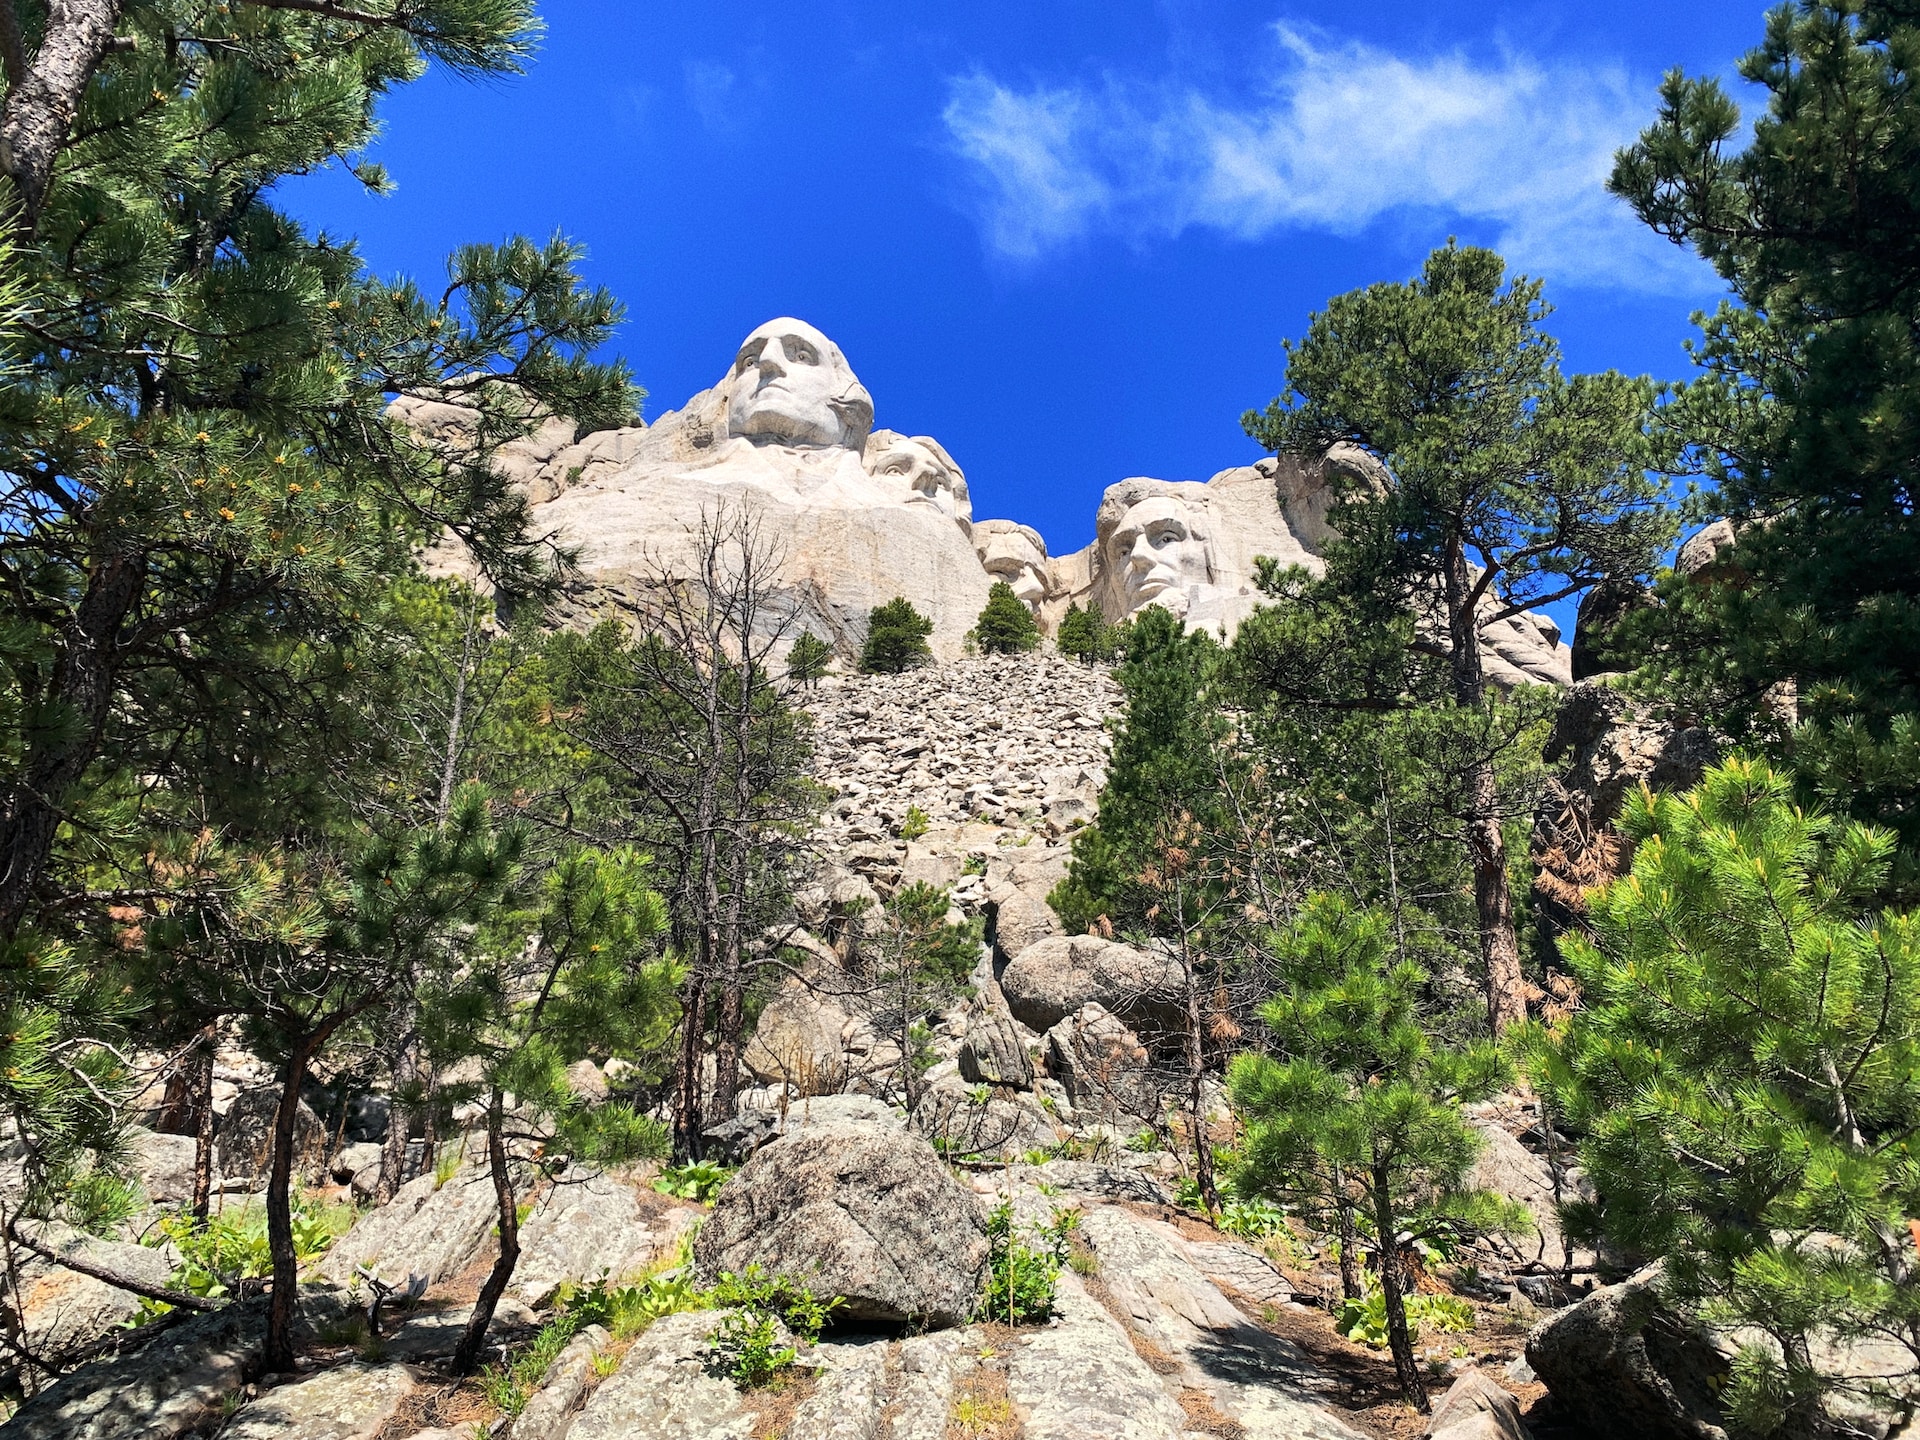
x=860, y=1211
x=1050, y=981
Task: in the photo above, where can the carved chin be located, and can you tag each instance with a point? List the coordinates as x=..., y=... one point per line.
x=783, y=426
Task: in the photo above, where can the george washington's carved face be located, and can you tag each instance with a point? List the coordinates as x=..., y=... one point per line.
x=1160, y=550
x=792, y=386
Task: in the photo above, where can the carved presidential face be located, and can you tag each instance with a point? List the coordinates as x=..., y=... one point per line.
x=927, y=472
x=1160, y=550
x=792, y=386
x=1013, y=556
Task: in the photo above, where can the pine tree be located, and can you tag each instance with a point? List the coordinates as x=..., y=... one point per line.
x=1085, y=635
x=1006, y=625
x=919, y=963
x=1165, y=765
x=1742, y=1070
x=1357, y=1112
x=1806, y=418
x=809, y=659
x=896, y=639
x=1513, y=487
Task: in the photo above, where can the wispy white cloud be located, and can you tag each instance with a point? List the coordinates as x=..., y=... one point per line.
x=1346, y=136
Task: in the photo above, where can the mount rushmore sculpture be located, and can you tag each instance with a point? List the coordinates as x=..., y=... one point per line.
x=861, y=515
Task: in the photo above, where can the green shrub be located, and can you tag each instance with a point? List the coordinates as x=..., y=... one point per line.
x=896, y=639
x=99, y=1202
x=809, y=659
x=1020, y=1277
x=698, y=1181
x=747, y=1347
x=1252, y=1219
x=1005, y=626
x=1364, y=1321
x=915, y=825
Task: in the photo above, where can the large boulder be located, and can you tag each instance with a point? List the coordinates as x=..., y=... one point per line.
x=1622, y=1363
x=964, y=1125
x=1105, y=1068
x=1021, y=920
x=62, y=1311
x=242, y=1142
x=584, y=1225
x=350, y=1402
x=1475, y=1408
x=163, y=1164
x=863, y=1212
x=1051, y=980
x=992, y=1051
x=428, y=1228
x=799, y=1040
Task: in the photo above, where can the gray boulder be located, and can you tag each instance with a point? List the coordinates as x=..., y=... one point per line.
x=1051, y=980
x=965, y=1126
x=992, y=1052
x=799, y=1040
x=246, y=1130
x=1622, y=1363
x=1021, y=920
x=1475, y=1408
x=163, y=1164
x=62, y=1311
x=862, y=1212
x=351, y=1402
x=426, y=1229
x=583, y=1225
x=1103, y=1065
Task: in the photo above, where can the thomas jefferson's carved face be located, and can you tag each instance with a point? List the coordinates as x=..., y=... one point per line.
x=1160, y=550
x=927, y=472
x=792, y=386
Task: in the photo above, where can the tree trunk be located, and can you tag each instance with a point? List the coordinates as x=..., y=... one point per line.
x=1349, y=1235
x=466, y=1356
x=1506, y=984
x=286, y=1266
x=393, y=1151
x=82, y=687
x=39, y=109
x=687, y=1122
x=1405, y=1367
x=1196, y=1085
x=203, y=1127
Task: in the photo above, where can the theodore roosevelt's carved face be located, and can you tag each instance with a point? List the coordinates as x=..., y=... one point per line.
x=1015, y=556
x=792, y=386
x=924, y=469
x=1160, y=551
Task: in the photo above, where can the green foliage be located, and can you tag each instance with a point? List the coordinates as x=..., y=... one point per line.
x=697, y=1180
x=99, y=1202
x=1021, y=1275
x=1166, y=763
x=1252, y=1218
x=1085, y=635
x=626, y=1310
x=228, y=1248
x=1006, y=625
x=746, y=1346
x=919, y=963
x=896, y=639
x=1358, y=1110
x=1805, y=418
x=809, y=659
x=511, y=1385
x=754, y=1291
x=1742, y=1072
x=1364, y=1320
x=915, y=825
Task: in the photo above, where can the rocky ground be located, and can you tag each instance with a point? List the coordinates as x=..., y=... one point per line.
x=1048, y=1083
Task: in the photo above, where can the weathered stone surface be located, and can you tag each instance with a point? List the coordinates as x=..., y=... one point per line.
x=62, y=1310
x=850, y=1396
x=1475, y=1408
x=862, y=1212
x=356, y=1160
x=1021, y=921
x=663, y=1391
x=820, y=1111
x=423, y=1230
x=993, y=1052
x=798, y=1039
x=352, y=1402
x=1087, y=1178
x=582, y=1227
x=1249, y=1274
x=1081, y=1379
x=1594, y=630
x=968, y=1128
x=1704, y=546
x=1508, y=1168
x=163, y=1164
x=1621, y=1362
x=923, y=1389
x=241, y=1142
x=1050, y=981
x=1103, y=1065
x=551, y=1407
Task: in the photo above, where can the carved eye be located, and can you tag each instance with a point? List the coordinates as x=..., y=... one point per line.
x=748, y=355
x=802, y=353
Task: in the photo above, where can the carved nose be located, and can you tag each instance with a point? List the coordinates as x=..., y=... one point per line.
x=770, y=361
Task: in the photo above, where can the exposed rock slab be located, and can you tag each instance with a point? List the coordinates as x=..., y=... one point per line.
x=664, y=1391
x=352, y=1402
x=62, y=1310
x=423, y=1230
x=581, y=1228
x=551, y=1407
x=862, y=1212
x=163, y=1164
x=1475, y=1408
x=850, y=1397
x=929, y=1367
x=1081, y=1379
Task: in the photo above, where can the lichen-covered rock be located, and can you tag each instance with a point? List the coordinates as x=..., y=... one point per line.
x=798, y=1039
x=353, y=1402
x=1022, y=920
x=581, y=1227
x=1475, y=1408
x=63, y=1311
x=1081, y=1378
x=850, y=1396
x=551, y=1407
x=1622, y=1363
x=1050, y=981
x=427, y=1229
x=241, y=1143
x=993, y=1053
x=1103, y=1065
x=862, y=1212
x=665, y=1390
x=964, y=1126
x=163, y=1164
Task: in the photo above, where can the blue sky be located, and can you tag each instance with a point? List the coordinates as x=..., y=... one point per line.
x=1064, y=237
